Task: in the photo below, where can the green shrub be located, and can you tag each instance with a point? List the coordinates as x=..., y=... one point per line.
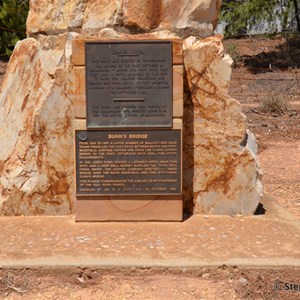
x=232, y=50
x=13, y=15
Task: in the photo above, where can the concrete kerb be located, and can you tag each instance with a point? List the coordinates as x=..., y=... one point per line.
x=113, y=263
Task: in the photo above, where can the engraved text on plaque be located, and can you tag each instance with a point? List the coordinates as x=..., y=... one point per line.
x=129, y=84
x=128, y=163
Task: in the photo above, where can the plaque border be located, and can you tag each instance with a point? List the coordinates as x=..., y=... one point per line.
x=119, y=126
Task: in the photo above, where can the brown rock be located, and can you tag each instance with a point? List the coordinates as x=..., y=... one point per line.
x=144, y=14
x=90, y=16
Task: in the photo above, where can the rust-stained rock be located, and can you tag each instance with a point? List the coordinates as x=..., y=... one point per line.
x=90, y=16
x=183, y=14
x=36, y=153
x=221, y=170
x=99, y=14
x=56, y=16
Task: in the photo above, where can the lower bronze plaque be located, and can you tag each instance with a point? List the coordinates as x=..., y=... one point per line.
x=128, y=162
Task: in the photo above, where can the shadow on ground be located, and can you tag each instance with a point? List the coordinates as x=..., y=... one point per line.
x=285, y=55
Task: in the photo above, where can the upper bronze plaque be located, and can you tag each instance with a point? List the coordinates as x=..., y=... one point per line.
x=129, y=84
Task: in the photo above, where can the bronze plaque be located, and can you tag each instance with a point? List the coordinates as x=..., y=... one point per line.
x=136, y=162
x=129, y=84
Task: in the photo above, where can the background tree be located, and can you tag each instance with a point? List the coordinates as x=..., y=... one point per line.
x=242, y=16
x=13, y=15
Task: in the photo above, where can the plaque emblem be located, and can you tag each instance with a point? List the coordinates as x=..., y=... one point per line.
x=83, y=136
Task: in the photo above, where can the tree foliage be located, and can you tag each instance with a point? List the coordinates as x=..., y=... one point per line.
x=241, y=16
x=13, y=15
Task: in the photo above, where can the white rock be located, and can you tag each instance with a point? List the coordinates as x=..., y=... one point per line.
x=226, y=175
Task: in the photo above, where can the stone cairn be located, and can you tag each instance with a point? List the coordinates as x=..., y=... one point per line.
x=221, y=174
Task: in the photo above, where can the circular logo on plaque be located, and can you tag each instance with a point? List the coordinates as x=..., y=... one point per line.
x=83, y=136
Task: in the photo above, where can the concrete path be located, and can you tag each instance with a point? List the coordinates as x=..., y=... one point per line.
x=272, y=239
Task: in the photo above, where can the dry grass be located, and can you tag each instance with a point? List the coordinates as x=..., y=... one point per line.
x=277, y=105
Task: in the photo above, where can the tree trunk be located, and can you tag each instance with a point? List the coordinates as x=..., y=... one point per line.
x=297, y=15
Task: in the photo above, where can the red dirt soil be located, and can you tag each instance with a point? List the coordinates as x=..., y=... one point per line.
x=265, y=69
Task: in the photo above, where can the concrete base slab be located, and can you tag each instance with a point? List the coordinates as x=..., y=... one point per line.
x=126, y=208
x=272, y=239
